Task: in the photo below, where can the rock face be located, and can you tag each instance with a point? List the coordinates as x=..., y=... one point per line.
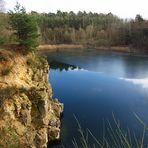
x=30, y=117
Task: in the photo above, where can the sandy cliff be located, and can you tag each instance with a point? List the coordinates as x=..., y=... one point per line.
x=29, y=116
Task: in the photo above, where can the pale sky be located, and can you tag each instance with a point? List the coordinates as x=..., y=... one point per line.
x=121, y=8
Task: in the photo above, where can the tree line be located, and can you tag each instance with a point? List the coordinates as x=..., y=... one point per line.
x=90, y=29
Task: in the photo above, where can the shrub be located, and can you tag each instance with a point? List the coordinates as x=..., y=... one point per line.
x=6, y=71
x=9, y=137
x=3, y=58
x=7, y=92
x=2, y=41
x=36, y=63
x=25, y=27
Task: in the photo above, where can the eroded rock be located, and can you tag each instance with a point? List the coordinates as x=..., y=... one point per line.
x=30, y=111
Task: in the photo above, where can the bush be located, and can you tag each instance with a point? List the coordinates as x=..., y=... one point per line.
x=6, y=71
x=36, y=63
x=9, y=137
x=2, y=41
x=3, y=58
x=8, y=91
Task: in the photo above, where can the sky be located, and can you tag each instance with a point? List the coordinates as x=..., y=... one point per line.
x=121, y=8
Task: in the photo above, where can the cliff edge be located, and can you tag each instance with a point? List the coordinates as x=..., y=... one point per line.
x=29, y=117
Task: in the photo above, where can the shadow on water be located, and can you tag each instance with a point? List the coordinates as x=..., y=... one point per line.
x=55, y=143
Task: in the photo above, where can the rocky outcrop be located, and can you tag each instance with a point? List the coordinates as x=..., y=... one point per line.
x=30, y=117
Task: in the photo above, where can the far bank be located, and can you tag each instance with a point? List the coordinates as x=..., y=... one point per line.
x=84, y=48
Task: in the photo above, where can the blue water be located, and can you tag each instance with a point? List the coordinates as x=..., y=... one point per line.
x=104, y=85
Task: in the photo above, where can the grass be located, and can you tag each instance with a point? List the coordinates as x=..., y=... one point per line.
x=60, y=46
x=6, y=71
x=112, y=137
x=6, y=93
x=9, y=91
x=3, y=58
x=36, y=62
x=9, y=137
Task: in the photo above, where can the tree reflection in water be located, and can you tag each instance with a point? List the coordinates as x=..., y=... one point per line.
x=62, y=66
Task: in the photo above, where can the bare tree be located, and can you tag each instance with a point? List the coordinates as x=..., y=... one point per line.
x=2, y=6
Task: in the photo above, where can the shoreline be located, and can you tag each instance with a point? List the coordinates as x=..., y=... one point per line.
x=52, y=47
x=55, y=47
x=83, y=48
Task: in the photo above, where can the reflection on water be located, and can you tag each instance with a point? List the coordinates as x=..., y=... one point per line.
x=142, y=82
x=105, y=84
x=62, y=66
x=113, y=64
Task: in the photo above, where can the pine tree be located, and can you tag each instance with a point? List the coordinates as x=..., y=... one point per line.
x=25, y=27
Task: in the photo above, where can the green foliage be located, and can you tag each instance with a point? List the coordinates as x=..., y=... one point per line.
x=92, y=29
x=9, y=137
x=139, y=18
x=7, y=92
x=25, y=27
x=3, y=58
x=4, y=32
x=63, y=27
x=36, y=62
x=2, y=40
x=6, y=71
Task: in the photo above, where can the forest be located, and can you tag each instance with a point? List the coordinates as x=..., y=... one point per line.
x=89, y=29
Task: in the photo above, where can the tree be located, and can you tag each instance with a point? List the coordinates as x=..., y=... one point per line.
x=4, y=34
x=25, y=27
x=139, y=18
x=2, y=6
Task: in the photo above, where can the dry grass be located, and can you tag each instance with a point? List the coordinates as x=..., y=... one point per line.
x=14, y=64
x=9, y=137
x=69, y=47
x=60, y=46
x=121, y=49
x=115, y=137
x=124, y=49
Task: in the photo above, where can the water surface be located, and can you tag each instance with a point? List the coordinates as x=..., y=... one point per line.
x=96, y=86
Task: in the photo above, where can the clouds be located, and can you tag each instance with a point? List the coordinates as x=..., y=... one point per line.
x=125, y=9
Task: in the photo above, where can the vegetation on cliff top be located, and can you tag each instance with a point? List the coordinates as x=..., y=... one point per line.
x=19, y=28
x=24, y=26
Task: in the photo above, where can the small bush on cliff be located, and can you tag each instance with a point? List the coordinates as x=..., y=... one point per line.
x=36, y=62
x=3, y=58
x=8, y=91
x=6, y=71
x=25, y=27
x=9, y=137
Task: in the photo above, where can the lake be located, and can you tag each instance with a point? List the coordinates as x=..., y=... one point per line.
x=100, y=89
